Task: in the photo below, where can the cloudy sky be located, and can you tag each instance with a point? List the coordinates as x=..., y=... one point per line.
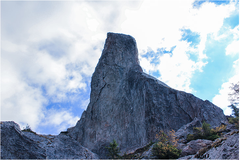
x=49, y=51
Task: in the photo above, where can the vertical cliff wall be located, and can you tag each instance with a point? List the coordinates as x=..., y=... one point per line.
x=130, y=106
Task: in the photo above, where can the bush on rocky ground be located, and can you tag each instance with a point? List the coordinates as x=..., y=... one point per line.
x=235, y=121
x=165, y=148
x=205, y=132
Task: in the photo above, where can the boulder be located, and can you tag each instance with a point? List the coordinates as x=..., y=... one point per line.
x=194, y=146
x=131, y=106
x=182, y=133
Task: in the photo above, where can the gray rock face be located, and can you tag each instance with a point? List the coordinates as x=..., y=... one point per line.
x=62, y=147
x=15, y=145
x=228, y=149
x=130, y=106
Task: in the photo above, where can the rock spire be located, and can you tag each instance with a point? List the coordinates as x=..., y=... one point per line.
x=130, y=106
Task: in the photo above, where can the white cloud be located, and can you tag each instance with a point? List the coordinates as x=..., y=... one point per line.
x=236, y=66
x=157, y=22
x=221, y=99
x=146, y=64
x=19, y=101
x=160, y=24
x=44, y=51
x=56, y=45
x=233, y=47
x=177, y=69
x=60, y=119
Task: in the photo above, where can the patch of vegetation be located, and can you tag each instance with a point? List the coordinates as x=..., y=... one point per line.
x=28, y=129
x=113, y=150
x=205, y=132
x=165, y=148
x=165, y=151
x=235, y=113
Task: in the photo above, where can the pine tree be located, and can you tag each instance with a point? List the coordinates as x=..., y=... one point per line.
x=113, y=150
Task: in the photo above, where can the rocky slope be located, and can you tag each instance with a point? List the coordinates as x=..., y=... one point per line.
x=130, y=106
x=16, y=144
x=225, y=147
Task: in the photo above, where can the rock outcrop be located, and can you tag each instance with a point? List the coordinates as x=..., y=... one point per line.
x=224, y=148
x=194, y=146
x=182, y=133
x=17, y=144
x=130, y=106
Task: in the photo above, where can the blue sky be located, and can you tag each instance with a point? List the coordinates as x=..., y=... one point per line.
x=49, y=51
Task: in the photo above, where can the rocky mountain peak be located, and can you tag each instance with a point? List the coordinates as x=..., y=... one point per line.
x=130, y=106
x=120, y=50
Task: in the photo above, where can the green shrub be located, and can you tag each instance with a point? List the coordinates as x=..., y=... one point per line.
x=212, y=137
x=165, y=151
x=190, y=137
x=206, y=129
x=165, y=148
x=234, y=121
x=113, y=150
x=205, y=132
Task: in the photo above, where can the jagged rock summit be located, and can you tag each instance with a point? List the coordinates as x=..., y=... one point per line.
x=130, y=106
